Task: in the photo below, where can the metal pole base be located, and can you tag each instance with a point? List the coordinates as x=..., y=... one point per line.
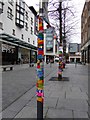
x=39, y=110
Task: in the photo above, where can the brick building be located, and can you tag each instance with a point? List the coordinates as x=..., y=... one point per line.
x=85, y=33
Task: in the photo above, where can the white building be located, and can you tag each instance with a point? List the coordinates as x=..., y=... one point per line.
x=17, y=32
x=50, y=44
x=74, y=52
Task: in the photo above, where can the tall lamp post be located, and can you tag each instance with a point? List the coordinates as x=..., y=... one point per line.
x=40, y=65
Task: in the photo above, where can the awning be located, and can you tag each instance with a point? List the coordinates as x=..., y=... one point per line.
x=15, y=40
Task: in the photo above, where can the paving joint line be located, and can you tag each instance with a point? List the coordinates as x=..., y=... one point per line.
x=57, y=102
x=19, y=97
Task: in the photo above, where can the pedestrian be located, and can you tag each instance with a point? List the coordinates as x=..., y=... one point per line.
x=75, y=64
x=50, y=62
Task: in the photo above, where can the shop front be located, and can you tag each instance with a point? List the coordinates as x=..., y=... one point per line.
x=33, y=56
x=15, y=51
x=9, y=54
x=23, y=55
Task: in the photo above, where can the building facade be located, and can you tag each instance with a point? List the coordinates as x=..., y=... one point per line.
x=50, y=44
x=17, y=32
x=74, y=52
x=85, y=33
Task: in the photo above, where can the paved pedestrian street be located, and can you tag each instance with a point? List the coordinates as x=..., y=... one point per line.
x=63, y=99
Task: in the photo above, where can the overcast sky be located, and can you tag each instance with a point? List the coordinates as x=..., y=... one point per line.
x=78, y=7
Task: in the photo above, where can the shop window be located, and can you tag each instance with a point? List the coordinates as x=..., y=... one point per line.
x=9, y=13
x=1, y=25
x=13, y=32
x=1, y=7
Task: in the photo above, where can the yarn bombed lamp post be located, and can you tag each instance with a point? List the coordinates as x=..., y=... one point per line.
x=40, y=65
x=60, y=67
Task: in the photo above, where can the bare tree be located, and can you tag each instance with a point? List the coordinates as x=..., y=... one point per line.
x=69, y=21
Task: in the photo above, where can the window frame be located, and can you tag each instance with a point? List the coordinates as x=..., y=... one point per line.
x=31, y=21
x=26, y=15
x=1, y=9
x=1, y=26
x=31, y=30
x=11, y=2
x=26, y=26
x=9, y=13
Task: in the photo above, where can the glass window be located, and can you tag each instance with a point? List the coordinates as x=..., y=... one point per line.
x=33, y=42
x=22, y=4
x=31, y=21
x=17, y=21
x=1, y=25
x=17, y=15
x=1, y=7
x=21, y=23
x=9, y=13
x=31, y=30
x=21, y=17
x=29, y=40
x=26, y=15
x=22, y=36
x=18, y=8
x=26, y=26
x=18, y=2
x=22, y=10
x=11, y=2
x=13, y=32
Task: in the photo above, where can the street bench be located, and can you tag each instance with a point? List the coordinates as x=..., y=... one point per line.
x=31, y=64
x=8, y=66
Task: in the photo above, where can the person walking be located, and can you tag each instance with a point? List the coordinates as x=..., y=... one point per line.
x=75, y=63
x=50, y=62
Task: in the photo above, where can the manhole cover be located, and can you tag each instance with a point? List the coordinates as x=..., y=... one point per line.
x=56, y=79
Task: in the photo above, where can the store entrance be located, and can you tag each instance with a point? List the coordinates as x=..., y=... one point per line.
x=9, y=54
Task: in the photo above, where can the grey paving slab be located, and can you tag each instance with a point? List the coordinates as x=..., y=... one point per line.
x=59, y=113
x=82, y=87
x=76, y=95
x=73, y=104
x=72, y=95
x=15, y=84
x=29, y=94
x=48, y=102
x=47, y=93
x=59, y=94
x=75, y=89
x=8, y=114
x=56, y=87
x=32, y=102
x=18, y=105
x=30, y=112
x=80, y=114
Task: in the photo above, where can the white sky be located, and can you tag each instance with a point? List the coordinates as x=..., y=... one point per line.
x=78, y=7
